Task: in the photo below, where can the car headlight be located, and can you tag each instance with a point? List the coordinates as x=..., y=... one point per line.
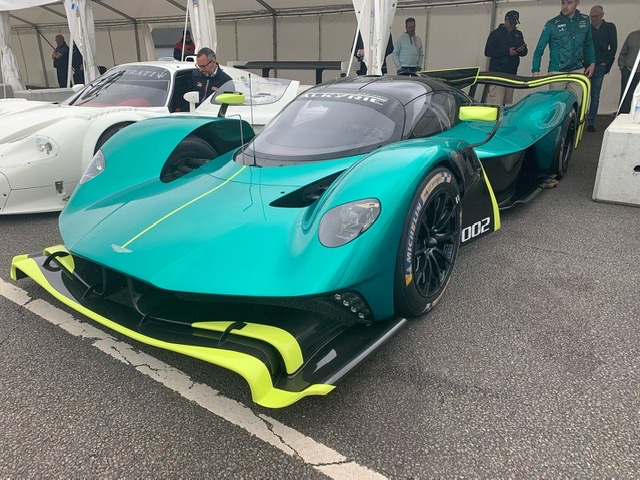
x=95, y=168
x=46, y=146
x=30, y=150
x=342, y=224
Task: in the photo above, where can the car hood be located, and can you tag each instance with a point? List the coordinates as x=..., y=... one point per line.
x=20, y=124
x=10, y=106
x=217, y=232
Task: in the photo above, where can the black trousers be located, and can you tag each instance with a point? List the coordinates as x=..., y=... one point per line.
x=62, y=76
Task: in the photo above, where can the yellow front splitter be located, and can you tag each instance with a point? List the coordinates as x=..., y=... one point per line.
x=305, y=369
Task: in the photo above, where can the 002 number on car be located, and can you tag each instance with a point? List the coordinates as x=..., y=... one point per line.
x=478, y=228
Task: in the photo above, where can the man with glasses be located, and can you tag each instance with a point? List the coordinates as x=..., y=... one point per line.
x=605, y=42
x=570, y=45
x=208, y=77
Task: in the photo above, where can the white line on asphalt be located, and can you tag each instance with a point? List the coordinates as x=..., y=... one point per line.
x=290, y=441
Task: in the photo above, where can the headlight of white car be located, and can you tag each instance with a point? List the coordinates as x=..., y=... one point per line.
x=95, y=168
x=342, y=224
x=31, y=150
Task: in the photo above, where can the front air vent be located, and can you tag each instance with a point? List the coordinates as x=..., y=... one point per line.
x=305, y=196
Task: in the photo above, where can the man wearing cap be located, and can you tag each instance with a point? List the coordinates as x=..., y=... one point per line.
x=605, y=42
x=505, y=46
x=570, y=45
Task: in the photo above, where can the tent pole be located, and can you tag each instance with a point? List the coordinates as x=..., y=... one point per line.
x=39, y=37
x=184, y=31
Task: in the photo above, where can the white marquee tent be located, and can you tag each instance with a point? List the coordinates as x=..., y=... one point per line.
x=454, y=32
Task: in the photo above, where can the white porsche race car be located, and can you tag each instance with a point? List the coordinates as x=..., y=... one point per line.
x=45, y=147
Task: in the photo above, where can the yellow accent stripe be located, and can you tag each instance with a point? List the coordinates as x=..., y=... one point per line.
x=494, y=201
x=250, y=368
x=280, y=339
x=162, y=219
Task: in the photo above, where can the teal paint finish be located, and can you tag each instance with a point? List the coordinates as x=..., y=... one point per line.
x=536, y=119
x=215, y=231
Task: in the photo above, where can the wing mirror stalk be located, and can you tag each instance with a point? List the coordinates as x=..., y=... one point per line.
x=482, y=113
x=193, y=98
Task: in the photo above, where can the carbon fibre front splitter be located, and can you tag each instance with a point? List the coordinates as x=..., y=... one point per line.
x=283, y=354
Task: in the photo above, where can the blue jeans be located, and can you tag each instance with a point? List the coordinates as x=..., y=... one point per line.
x=596, y=85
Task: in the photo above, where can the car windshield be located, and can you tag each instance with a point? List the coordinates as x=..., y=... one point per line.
x=256, y=90
x=131, y=86
x=326, y=125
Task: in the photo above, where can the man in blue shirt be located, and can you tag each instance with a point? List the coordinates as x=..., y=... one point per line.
x=408, y=53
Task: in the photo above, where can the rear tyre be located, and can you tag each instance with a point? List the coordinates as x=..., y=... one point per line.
x=191, y=153
x=564, y=148
x=429, y=244
x=108, y=133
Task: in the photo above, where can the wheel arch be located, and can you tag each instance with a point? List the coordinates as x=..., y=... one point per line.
x=108, y=132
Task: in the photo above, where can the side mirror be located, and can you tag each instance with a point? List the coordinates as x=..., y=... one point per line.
x=482, y=113
x=228, y=98
x=193, y=98
x=77, y=87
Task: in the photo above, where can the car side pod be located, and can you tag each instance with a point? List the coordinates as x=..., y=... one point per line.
x=283, y=358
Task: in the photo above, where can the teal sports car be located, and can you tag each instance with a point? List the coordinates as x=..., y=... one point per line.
x=290, y=256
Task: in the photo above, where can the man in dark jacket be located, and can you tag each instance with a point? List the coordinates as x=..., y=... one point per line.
x=77, y=64
x=183, y=50
x=61, y=60
x=505, y=46
x=208, y=77
x=359, y=54
x=605, y=42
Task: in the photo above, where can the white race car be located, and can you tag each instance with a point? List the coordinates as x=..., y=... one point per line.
x=45, y=147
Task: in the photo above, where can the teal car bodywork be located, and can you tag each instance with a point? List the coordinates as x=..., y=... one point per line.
x=291, y=256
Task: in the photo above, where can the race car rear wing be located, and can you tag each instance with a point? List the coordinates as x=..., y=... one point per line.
x=472, y=77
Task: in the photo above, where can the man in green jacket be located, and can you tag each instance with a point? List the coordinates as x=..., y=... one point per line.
x=570, y=44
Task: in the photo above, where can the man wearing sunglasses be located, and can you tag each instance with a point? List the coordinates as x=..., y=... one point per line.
x=208, y=76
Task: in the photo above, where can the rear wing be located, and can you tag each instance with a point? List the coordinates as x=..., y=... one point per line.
x=472, y=77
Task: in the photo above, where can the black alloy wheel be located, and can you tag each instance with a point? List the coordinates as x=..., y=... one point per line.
x=564, y=148
x=429, y=244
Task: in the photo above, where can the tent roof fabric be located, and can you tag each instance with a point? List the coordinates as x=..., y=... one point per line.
x=50, y=13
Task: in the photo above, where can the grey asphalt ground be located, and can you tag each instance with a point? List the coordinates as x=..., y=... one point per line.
x=529, y=368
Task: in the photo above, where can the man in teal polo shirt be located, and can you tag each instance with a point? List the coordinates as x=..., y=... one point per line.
x=570, y=45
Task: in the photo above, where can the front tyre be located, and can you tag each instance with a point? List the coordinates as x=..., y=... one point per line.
x=190, y=154
x=564, y=148
x=429, y=244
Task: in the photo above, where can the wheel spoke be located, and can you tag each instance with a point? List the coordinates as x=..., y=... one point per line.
x=435, y=243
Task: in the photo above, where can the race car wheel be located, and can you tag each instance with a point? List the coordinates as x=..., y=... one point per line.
x=108, y=133
x=191, y=153
x=564, y=148
x=429, y=244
